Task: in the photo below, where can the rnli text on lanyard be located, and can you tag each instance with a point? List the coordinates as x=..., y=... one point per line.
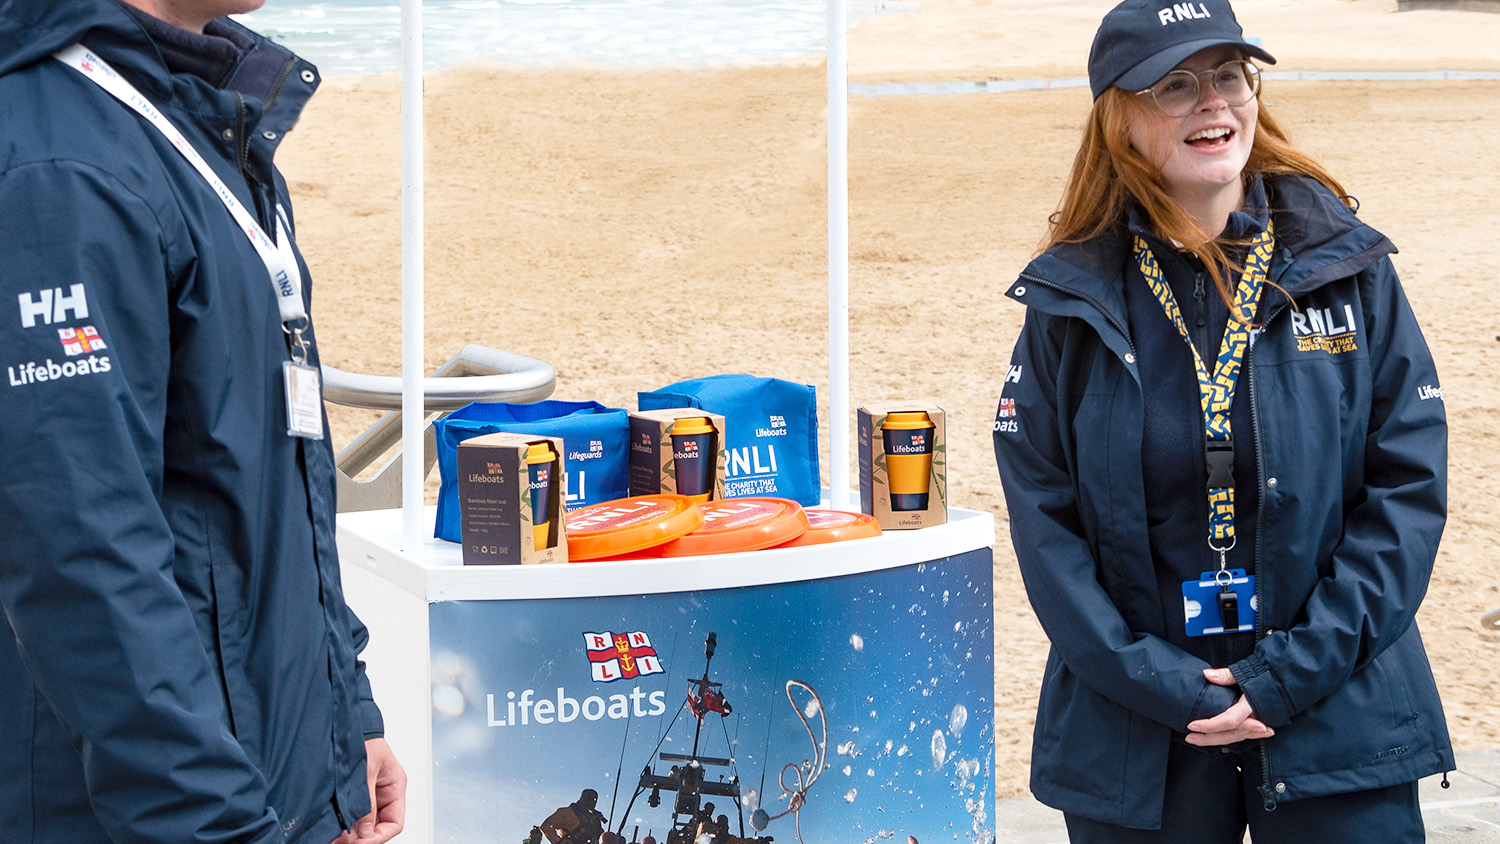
x=302, y=382
x=1216, y=389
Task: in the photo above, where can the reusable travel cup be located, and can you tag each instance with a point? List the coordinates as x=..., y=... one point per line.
x=694, y=456
x=908, y=458
x=539, y=462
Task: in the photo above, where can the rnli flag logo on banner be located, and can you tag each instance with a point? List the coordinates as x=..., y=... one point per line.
x=621, y=656
x=81, y=340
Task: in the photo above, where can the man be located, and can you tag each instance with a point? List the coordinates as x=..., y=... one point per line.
x=177, y=664
x=578, y=822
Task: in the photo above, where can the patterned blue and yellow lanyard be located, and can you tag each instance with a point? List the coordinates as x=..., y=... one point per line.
x=1216, y=390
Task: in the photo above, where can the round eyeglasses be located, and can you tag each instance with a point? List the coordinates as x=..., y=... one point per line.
x=1177, y=93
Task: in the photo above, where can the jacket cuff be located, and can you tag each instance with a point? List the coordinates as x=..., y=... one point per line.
x=371, y=722
x=1263, y=691
x=1212, y=701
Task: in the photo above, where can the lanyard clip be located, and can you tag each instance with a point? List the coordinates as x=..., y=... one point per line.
x=299, y=344
x=1218, y=455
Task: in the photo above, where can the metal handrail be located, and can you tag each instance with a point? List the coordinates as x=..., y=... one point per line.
x=519, y=379
x=476, y=373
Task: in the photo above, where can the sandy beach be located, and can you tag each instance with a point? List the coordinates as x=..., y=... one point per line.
x=636, y=228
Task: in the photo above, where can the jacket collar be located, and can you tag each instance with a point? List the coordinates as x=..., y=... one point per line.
x=150, y=52
x=1318, y=240
x=1243, y=224
x=211, y=55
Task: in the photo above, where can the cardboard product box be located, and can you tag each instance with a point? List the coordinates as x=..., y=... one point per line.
x=495, y=485
x=901, y=445
x=659, y=463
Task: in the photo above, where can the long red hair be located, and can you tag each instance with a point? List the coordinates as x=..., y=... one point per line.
x=1108, y=174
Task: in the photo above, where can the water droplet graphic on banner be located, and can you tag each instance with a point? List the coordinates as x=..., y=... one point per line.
x=958, y=719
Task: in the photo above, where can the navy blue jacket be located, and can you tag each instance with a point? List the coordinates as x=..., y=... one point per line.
x=1351, y=441
x=177, y=663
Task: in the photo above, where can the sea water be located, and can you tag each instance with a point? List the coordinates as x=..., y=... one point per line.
x=355, y=37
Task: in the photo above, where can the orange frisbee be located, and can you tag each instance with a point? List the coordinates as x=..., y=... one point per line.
x=625, y=525
x=835, y=526
x=740, y=524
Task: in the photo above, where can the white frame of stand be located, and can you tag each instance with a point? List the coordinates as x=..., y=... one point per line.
x=413, y=233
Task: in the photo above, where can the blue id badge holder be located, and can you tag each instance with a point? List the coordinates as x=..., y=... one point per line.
x=1219, y=602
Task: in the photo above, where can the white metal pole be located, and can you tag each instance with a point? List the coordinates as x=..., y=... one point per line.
x=413, y=414
x=838, y=255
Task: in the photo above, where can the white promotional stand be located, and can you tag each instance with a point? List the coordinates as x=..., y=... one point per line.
x=853, y=668
x=853, y=618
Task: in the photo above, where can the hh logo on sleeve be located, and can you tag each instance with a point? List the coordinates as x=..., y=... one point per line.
x=53, y=305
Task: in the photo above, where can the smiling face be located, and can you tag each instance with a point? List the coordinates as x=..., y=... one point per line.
x=1202, y=155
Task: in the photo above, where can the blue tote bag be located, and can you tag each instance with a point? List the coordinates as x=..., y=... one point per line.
x=770, y=431
x=595, y=449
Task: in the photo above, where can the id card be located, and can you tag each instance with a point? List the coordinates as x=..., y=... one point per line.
x=1217, y=597
x=304, y=400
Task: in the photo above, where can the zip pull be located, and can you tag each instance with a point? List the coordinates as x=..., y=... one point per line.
x=1445, y=780
x=1268, y=801
x=1202, y=297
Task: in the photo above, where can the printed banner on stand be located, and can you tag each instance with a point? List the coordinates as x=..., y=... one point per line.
x=856, y=708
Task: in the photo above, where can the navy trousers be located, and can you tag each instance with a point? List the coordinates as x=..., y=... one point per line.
x=1213, y=796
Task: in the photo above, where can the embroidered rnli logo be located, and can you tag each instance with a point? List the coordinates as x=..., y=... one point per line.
x=82, y=340
x=1182, y=12
x=1330, y=330
x=1005, y=417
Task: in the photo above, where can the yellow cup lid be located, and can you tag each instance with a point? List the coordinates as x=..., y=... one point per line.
x=835, y=526
x=907, y=421
x=740, y=524
x=540, y=453
x=692, y=425
x=625, y=525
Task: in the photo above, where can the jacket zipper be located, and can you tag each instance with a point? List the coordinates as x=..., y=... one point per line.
x=1200, y=298
x=242, y=138
x=1098, y=306
x=1267, y=791
x=286, y=70
x=242, y=149
x=265, y=216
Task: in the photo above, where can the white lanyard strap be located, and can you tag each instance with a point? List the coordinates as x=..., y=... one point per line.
x=280, y=261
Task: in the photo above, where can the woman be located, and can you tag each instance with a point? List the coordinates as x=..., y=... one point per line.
x=1223, y=448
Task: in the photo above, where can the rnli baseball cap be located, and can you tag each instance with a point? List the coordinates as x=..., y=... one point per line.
x=1140, y=41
